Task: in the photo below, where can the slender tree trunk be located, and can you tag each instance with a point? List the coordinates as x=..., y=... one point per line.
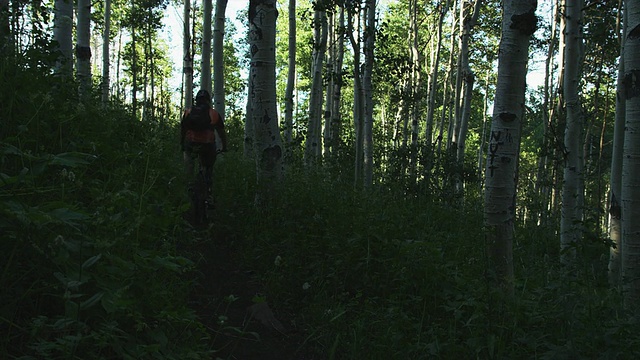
x=205, y=69
x=615, y=258
x=518, y=24
x=542, y=185
x=313, y=143
x=218, y=58
x=570, y=233
x=83, y=47
x=187, y=58
x=357, y=93
x=468, y=78
x=435, y=70
x=370, y=33
x=268, y=143
x=336, y=116
x=63, y=34
x=630, y=195
x=106, y=64
x=291, y=81
x=330, y=58
x=5, y=29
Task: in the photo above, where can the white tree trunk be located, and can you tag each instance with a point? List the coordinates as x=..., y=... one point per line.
x=205, y=69
x=187, y=58
x=468, y=79
x=313, y=143
x=357, y=92
x=218, y=58
x=106, y=63
x=518, y=24
x=5, y=30
x=291, y=79
x=631, y=159
x=268, y=142
x=570, y=222
x=367, y=87
x=615, y=258
x=63, y=34
x=336, y=116
x=83, y=47
x=433, y=77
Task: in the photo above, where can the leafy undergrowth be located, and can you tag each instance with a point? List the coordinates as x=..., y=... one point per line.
x=98, y=262
x=379, y=276
x=90, y=220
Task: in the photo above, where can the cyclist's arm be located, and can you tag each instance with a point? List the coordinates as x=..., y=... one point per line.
x=219, y=128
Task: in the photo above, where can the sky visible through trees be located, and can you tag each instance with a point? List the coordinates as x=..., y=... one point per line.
x=173, y=33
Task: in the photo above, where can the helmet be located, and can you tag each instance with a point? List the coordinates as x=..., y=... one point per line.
x=203, y=96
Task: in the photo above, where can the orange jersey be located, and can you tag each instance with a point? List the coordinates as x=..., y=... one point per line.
x=206, y=136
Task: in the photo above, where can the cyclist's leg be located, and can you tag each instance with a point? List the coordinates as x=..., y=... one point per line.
x=188, y=158
x=207, y=160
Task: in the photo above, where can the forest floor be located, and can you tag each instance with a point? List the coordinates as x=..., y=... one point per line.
x=240, y=326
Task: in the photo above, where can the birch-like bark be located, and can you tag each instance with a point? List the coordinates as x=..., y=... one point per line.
x=519, y=22
x=468, y=78
x=570, y=221
x=63, y=35
x=106, y=64
x=205, y=68
x=187, y=58
x=357, y=92
x=367, y=87
x=5, y=29
x=291, y=79
x=328, y=103
x=336, y=116
x=83, y=48
x=218, y=58
x=631, y=159
x=435, y=70
x=615, y=258
x=313, y=143
x=268, y=142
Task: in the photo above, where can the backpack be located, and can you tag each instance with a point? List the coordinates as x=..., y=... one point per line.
x=198, y=118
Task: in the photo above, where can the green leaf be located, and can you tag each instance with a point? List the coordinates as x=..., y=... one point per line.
x=90, y=261
x=91, y=301
x=72, y=159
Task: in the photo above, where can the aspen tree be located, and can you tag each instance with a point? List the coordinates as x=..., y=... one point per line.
x=320, y=26
x=187, y=57
x=5, y=30
x=630, y=191
x=218, y=59
x=291, y=78
x=105, y=52
x=615, y=235
x=570, y=221
x=83, y=48
x=519, y=22
x=205, y=68
x=63, y=35
x=466, y=77
x=262, y=77
x=367, y=87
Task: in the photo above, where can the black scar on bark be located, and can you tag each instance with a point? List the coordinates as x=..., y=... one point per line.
x=507, y=117
x=526, y=23
x=266, y=118
x=631, y=84
x=270, y=157
x=634, y=33
x=83, y=52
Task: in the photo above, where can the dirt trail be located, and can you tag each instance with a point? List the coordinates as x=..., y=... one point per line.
x=239, y=327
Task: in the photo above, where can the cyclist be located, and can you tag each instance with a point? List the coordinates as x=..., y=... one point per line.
x=198, y=140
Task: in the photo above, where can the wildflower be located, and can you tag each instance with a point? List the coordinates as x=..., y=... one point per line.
x=306, y=286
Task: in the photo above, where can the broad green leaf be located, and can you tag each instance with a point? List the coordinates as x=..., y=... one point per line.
x=90, y=261
x=91, y=301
